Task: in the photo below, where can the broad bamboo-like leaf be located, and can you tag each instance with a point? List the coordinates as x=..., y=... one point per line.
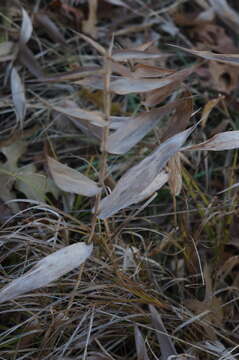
x=71, y=109
x=223, y=141
x=47, y=270
x=70, y=180
x=142, y=179
x=131, y=132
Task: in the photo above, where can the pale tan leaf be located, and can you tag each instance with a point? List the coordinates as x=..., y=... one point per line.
x=167, y=347
x=128, y=54
x=18, y=95
x=232, y=59
x=142, y=70
x=175, y=175
x=132, y=131
x=89, y=26
x=26, y=28
x=71, y=109
x=224, y=141
x=70, y=180
x=47, y=270
x=134, y=185
x=208, y=108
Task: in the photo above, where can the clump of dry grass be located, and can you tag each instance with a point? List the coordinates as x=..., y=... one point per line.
x=91, y=88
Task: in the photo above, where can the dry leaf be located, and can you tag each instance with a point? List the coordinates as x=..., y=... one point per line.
x=26, y=28
x=89, y=26
x=142, y=179
x=226, y=13
x=47, y=270
x=27, y=58
x=70, y=180
x=6, y=51
x=18, y=95
x=130, y=133
x=224, y=141
x=51, y=28
x=175, y=175
x=232, y=59
x=72, y=110
x=140, y=345
x=126, y=85
x=129, y=54
x=183, y=113
x=142, y=70
x=167, y=347
x=208, y=108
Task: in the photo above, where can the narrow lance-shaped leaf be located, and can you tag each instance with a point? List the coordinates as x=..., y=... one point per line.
x=140, y=345
x=47, y=270
x=126, y=85
x=167, y=347
x=18, y=95
x=142, y=179
x=71, y=109
x=46, y=23
x=128, y=54
x=70, y=180
x=232, y=59
x=224, y=141
x=130, y=133
x=26, y=28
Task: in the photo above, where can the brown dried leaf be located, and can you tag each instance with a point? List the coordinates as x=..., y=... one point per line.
x=70, y=180
x=175, y=175
x=182, y=116
x=142, y=70
x=130, y=133
x=26, y=28
x=167, y=347
x=142, y=179
x=232, y=59
x=224, y=141
x=208, y=108
x=156, y=96
x=51, y=28
x=47, y=270
x=18, y=95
